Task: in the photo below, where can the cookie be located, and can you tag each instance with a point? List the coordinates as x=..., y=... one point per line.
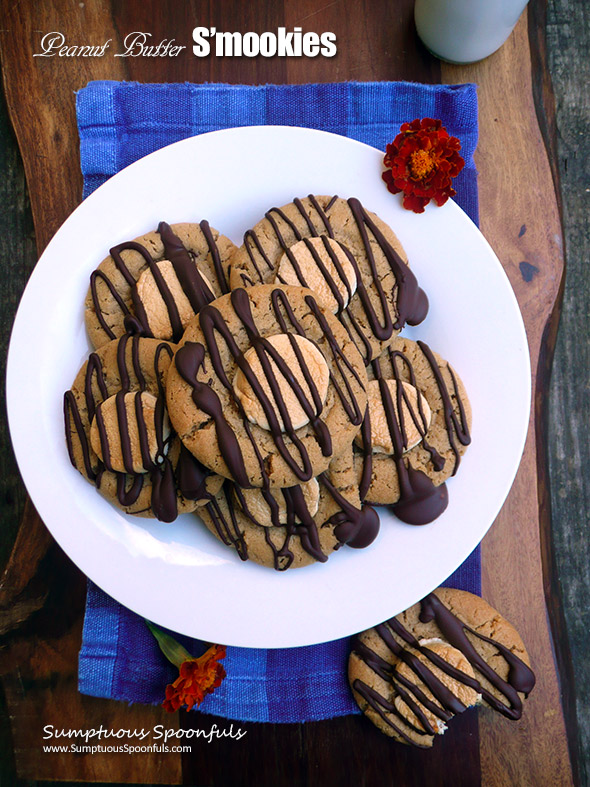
x=118, y=435
x=155, y=284
x=413, y=673
x=416, y=430
x=348, y=256
x=296, y=526
x=266, y=387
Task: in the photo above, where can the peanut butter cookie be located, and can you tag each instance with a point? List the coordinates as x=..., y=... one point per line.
x=118, y=435
x=452, y=650
x=346, y=255
x=415, y=432
x=296, y=526
x=155, y=284
x=266, y=387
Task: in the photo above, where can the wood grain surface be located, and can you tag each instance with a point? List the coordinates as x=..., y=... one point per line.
x=42, y=593
x=568, y=44
x=526, y=236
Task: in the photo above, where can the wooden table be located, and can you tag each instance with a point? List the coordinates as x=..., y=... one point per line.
x=42, y=593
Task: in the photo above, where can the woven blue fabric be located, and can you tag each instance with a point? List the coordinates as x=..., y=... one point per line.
x=118, y=124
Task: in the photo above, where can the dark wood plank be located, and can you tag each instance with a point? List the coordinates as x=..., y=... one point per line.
x=520, y=218
x=568, y=41
x=376, y=41
x=557, y=572
x=341, y=751
x=17, y=246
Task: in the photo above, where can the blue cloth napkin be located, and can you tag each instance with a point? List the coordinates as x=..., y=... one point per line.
x=118, y=124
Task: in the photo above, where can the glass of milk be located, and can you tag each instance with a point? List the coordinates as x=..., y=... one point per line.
x=464, y=31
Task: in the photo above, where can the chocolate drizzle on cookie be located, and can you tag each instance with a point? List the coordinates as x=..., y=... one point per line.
x=191, y=476
x=220, y=272
x=190, y=278
x=222, y=511
x=299, y=523
x=520, y=677
x=190, y=359
x=420, y=501
x=226, y=524
x=352, y=526
x=129, y=483
x=192, y=282
x=356, y=527
x=457, y=427
x=334, y=285
x=399, y=640
x=411, y=301
x=412, y=695
x=343, y=365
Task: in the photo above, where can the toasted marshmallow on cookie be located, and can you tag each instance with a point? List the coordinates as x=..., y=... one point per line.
x=129, y=431
x=300, y=384
x=271, y=508
x=413, y=422
x=153, y=295
x=455, y=659
x=322, y=265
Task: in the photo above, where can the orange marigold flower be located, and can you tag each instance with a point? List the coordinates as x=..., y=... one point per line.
x=198, y=677
x=421, y=162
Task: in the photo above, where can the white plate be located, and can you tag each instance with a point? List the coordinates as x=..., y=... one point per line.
x=178, y=575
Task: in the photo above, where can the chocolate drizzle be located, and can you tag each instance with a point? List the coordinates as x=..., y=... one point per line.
x=191, y=476
x=412, y=303
x=190, y=278
x=306, y=529
x=457, y=427
x=220, y=273
x=356, y=527
x=397, y=638
x=191, y=357
x=227, y=526
x=129, y=483
x=225, y=522
x=382, y=706
x=192, y=282
x=334, y=286
x=420, y=500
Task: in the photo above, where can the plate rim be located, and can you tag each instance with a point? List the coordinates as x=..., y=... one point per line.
x=87, y=205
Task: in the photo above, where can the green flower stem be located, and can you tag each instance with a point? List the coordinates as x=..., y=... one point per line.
x=172, y=649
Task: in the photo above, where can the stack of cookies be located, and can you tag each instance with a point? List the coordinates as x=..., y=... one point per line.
x=267, y=386
x=413, y=673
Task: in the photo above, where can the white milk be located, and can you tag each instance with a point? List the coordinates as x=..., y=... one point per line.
x=463, y=31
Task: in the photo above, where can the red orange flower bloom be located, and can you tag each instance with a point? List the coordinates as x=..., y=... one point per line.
x=198, y=677
x=421, y=162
